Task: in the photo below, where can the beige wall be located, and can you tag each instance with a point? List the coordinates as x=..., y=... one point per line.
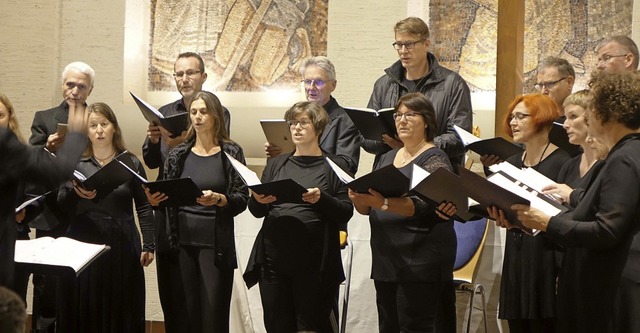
x=39, y=37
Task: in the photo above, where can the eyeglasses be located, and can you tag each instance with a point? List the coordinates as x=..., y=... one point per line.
x=318, y=83
x=408, y=45
x=407, y=115
x=605, y=58
x=303, y=123
x=548, y=85
x=190, y=73
x=518, y=116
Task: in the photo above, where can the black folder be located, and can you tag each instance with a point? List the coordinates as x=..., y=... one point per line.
x=175, y=124
x=107, y=178
x=558, y=136
x=389, y=181
x=488, y=194
x=285, y=190
x=443, y=185
x=373, y=124
x=497, y=146
x=179, y=191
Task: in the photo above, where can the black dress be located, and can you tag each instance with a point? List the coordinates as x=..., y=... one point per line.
x=109, y=295
x=529, y=269
x=416, y=251
x=597, y=236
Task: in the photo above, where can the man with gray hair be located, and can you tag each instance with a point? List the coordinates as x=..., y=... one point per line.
x=77, y=81
x=617, y=54
x=340, y=137
x=555, y=78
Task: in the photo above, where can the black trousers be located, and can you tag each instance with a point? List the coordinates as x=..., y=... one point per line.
x=415, y=307
x=171, y=292
x=296, y=300
x=207, y=290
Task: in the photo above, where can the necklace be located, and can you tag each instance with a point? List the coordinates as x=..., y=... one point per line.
x=409, y=158
x=535, y=167
x=103, y=160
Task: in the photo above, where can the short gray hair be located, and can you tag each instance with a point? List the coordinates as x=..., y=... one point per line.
x=625, y=42
x=563, y=66
x=80, y=67
x=322, y=62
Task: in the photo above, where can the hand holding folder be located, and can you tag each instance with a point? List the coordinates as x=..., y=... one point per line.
x=175, y=124
x=285, y=190
x=106, y=179
x=495, y=146
x=179, y=191
x=389, y=181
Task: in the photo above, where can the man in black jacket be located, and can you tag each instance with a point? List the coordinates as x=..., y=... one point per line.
x=77, y=84
x=418, y=70
x=340, y=138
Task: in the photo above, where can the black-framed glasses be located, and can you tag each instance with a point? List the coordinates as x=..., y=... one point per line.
x=318, y=83
x=408, y=45
x=303, y=123
x=548, y=85
x=605, y=58
x=190, y=73
x=411, y=115
x=518, y=116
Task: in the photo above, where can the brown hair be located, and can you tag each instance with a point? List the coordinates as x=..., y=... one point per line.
x=118, y=140
x=412, y=25
x=616, y=97
x=317, y=114
x=214, y=107
x=418, y=102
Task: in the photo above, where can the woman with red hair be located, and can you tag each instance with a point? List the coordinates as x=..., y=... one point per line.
x=529, y=269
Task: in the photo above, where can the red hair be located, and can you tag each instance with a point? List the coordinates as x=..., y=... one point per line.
x=543, y=110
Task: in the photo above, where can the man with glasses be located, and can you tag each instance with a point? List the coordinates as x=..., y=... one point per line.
x=189, y=73
x=617, y=54
x=340, y=137
x=555, y=78
x=418, y=70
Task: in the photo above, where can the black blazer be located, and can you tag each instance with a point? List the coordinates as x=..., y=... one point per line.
x=601, y=241
x=341, y=137
x=36, y=165
x=44, y=124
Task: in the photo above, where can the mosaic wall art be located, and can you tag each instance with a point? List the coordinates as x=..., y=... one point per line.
x=247, y=45
x=464, y=35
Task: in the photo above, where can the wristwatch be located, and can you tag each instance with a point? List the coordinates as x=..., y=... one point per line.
x=385, y=204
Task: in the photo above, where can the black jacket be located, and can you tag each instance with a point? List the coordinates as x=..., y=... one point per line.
x=447, y=91
x=236, y=194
